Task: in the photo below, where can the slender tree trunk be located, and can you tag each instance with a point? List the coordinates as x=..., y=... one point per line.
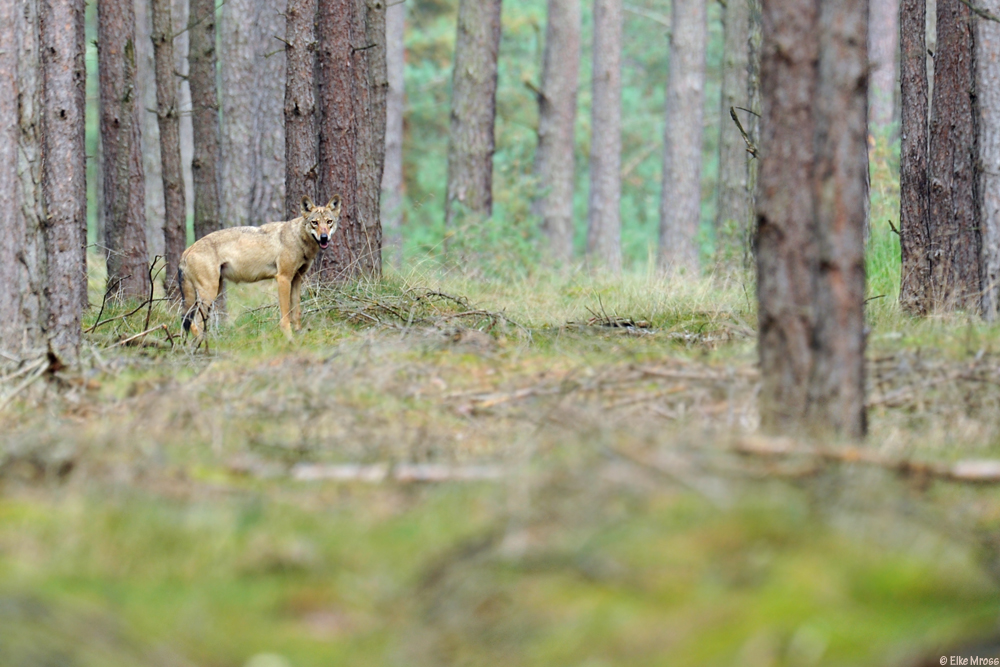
x=988, y=103
x=680, y=203
x=914, y=230
x=554, y=167
x=168, y=119
x=735, y=201
x=124, y=190
x=473, y=112
x=204, y=116
x=604, y=207
x=252, y=98
x=811, y=216
x=152, y=162
x=64, y=174
x=181, y=43
x=392, y=176
x=352, y=88
x=23, y=307
x=300, y=105
x=954, y=219
x=883, y=46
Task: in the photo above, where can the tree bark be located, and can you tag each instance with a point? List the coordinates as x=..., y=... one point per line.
x=300, y=105
x=914, y=196
x=735, y=199
x=883, y=46
x=23, y=307
x=554, y=166
x=811, y=216
x=252, y=98
x=988, y=112
x=954, y=219
x=680, y=202
x=204, y=116
x=64, y=175
x=124, y=189
x=392, y=176
x=352, y=87
x=471, y=142
x=168, y=120
x=149, y=130
x=604, y=205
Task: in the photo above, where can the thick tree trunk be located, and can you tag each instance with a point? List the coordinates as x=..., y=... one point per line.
x=988, y=103
x=168, y=119
x=914, y=230
x=124, y=189
x=300, y=105
x=252, y=98
x=954, y=219
x=554, y=167
x=811, y=216
x=352, y=87
x=473, y=112
x=145, y=85
x=883, y=46
x=680, y=202
x=23, y=307
x=735, y=200
x=204, y=116
x=604, y=206
x=392, y=176
x=64, y=175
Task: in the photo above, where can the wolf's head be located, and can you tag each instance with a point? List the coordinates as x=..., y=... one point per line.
x=321, y=221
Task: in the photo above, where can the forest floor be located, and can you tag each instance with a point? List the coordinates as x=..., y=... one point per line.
x=443, y=470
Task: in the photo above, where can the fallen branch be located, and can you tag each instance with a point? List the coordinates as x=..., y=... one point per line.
x=142, y=334
x=405, y=472
x=986, y=471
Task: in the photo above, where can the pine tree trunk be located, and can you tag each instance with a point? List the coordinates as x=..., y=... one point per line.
x=152, y=163
x=954, y=219
x=300, y=105
x=735, y=200
x=604, y=206
x=23, y=307
x=168, y=120
x=124, y=189
x=64, y=175
x=680, y=203
x=988, y=103
x=554, y=166
x=204, y=116
x=811, y=216
x=252, y=98
x=473, y=113
x=840, y=187
x=352, y=88
x=392, y=176
x=914, y=195
x=181, y=43
x=883, y=45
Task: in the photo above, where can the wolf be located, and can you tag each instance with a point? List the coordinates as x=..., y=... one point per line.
x=280, y=250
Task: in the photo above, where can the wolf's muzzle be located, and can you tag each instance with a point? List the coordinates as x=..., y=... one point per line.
x=324, y=240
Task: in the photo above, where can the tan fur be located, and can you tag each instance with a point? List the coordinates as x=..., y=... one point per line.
x=280, y=250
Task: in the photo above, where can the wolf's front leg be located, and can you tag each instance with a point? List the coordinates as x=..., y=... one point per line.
x=297, y=302
x=284, y=304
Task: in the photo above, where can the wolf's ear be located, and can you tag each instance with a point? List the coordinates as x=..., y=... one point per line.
x=334, y=202
x=307, y=204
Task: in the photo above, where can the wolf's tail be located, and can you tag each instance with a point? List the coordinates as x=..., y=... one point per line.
x=189, y=314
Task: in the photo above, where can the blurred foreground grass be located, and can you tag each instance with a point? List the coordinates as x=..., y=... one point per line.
x=152, y=511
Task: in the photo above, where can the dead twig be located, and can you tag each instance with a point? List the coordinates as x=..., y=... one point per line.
x=39, y=367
